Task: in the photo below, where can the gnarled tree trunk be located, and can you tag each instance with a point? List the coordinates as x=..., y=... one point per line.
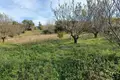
x=3, y=39
x=75, y=39
x=96, y=35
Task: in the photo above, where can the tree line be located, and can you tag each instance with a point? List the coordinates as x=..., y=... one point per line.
x=97, y=16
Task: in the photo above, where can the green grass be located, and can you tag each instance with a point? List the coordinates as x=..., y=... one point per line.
x=37, y=61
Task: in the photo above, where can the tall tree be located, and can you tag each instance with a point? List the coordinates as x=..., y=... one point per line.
x=71, y=17
x=40, y=26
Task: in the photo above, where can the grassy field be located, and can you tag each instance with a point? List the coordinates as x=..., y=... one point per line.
x=31, y=36
x=58, y=60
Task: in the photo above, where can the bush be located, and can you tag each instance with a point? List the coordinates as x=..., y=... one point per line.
x=40, y=28
x=49, y=29
x=47, y=32
x=60, y=34
x=88, y=67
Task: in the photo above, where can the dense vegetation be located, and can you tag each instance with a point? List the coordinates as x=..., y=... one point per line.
x=86, y=59
x=90, y=59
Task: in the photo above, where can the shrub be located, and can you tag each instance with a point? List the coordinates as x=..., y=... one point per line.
x=47, y=32
x=49, y=29
x=60, y=34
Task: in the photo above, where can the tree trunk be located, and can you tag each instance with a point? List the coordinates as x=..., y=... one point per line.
x=75, y=39
x=96, y=35
x=3, y=39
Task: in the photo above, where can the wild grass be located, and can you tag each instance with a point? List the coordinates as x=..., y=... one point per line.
x=46, y=60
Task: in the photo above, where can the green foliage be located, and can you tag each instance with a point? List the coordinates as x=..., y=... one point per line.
x=91, y=59
x=40, y=26
x=28, y=24
x=59, y=26
x=15, y=23
x=49, y=29
x=60, y=34
x=46, y=32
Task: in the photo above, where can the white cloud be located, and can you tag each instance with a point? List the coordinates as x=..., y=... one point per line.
x=17, y=13
x=40, y=19
x=37, y=10
x=28, y=4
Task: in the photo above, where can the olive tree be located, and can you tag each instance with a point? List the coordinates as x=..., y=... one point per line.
x=71, y=16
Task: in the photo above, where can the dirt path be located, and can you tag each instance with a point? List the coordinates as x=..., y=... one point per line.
x=32, y=38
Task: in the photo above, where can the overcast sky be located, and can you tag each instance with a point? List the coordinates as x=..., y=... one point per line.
x=36, y=10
